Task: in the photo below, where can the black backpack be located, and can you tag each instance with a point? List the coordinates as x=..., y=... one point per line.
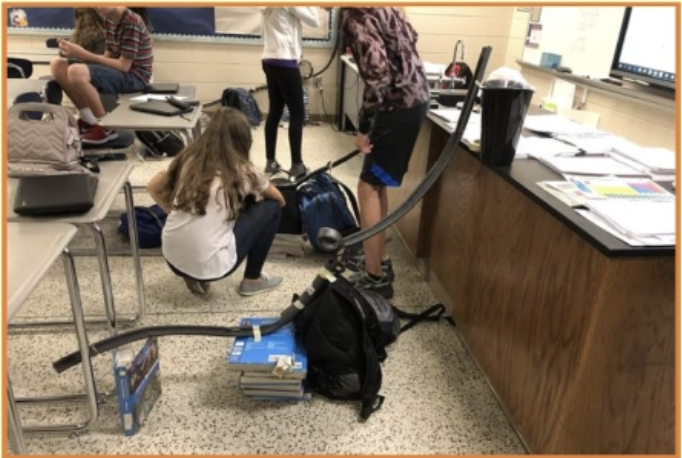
x=242, y=100
x=345, y=333
x=160, y=143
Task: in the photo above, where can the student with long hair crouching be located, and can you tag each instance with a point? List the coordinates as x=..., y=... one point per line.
x=213, y=222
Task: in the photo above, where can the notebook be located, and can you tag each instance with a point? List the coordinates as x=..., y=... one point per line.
x=159, y=107
x=163, y=88
x=54, y=195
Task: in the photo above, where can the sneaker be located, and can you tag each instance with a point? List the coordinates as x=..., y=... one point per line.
x=83, y=127
x=298, y=170
x=357, y=264
x=383, y=286
x=272, y=167
x=262, y=285
x=386, y=266
x=98, y=135
x=200, y=288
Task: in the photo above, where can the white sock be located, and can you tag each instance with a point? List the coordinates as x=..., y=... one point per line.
x=88, y=116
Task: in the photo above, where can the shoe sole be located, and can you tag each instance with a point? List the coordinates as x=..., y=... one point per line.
x=100, y=142
x=260, y=291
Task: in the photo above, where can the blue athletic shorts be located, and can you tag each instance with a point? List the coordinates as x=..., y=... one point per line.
x=393, y=136
x=109, y=81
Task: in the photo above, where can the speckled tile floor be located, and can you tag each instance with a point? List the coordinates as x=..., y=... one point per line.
x=437, y=401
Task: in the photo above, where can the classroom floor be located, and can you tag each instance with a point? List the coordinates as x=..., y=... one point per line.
x=437, y=401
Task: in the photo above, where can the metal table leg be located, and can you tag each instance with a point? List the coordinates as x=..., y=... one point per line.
x=14, y=431
x=134, y=246
x=86, y=364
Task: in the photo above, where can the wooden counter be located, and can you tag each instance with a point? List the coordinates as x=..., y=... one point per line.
x=574, y=329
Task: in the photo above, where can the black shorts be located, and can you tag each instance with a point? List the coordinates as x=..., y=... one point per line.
x=393, y=136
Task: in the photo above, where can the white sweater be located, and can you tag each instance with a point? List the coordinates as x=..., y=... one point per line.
x=282, y=31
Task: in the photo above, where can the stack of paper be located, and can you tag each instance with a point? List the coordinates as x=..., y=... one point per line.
x=449, y=115
x=589, y=166
x=554, y=124
x=643, y=218
x=544, y=146
x=659, y=162
x=589, y=142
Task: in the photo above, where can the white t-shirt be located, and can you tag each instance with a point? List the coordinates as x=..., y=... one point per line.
x=204, y=247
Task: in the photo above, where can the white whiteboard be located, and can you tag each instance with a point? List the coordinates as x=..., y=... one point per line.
x=585, y=37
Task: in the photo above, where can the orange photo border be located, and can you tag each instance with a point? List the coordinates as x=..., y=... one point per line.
x=49, y=4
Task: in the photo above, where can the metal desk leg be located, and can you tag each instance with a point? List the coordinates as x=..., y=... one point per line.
x=86, y=364
x=134, y=247
x=14, y=431
x=105, y=276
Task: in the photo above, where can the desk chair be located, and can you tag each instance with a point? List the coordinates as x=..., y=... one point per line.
x=19, y=68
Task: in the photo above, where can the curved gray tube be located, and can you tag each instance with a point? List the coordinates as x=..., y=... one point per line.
x=438, y=167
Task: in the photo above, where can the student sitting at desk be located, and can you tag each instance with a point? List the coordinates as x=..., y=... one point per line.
x=125, y=67
x=210, y=230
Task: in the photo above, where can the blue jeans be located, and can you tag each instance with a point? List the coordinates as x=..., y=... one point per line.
x=109, y=81
x=254, y=233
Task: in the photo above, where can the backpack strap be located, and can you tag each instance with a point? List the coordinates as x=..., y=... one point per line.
x=350, y=197
x=433, y=313
x=371, y=399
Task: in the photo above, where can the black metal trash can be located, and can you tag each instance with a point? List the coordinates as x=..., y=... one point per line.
x=503, y=111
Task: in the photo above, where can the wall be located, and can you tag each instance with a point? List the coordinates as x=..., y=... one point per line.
x=646, y=126
x=439, y=29
x=212, y=67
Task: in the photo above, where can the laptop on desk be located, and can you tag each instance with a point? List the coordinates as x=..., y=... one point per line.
x=159, y=107
x=55, y=195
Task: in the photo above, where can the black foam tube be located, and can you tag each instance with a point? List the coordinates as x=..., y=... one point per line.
x=297, y=304
x=438, y=167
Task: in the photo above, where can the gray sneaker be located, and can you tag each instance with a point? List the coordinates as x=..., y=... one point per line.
x=200, y=288
x=272, y=167
x=298, y=170
x=264, y=284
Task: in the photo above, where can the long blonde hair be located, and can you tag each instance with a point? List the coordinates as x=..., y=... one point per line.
x=222, y=151
x=90, y=28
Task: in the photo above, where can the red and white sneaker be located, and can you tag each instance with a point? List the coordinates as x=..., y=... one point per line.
x=83, y=127
x=98, y=135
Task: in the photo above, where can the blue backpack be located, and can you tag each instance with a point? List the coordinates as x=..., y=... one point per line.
x=242, y=100
x=323, y=204
x=150, y=222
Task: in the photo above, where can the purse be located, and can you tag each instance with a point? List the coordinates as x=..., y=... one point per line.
x=43, y=139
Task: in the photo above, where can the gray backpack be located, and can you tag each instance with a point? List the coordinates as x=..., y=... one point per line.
x=43, y=145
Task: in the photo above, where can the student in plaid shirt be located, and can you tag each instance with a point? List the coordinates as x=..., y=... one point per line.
x=125, y=67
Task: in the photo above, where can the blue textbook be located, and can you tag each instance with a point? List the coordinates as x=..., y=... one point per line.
x=137, y=384
x=249, y=354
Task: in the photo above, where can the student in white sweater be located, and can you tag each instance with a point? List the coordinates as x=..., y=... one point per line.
x=213, y=224
x=282, y=51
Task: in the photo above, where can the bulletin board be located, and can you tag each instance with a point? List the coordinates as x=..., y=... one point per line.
x=585, y=37
x=219, y=24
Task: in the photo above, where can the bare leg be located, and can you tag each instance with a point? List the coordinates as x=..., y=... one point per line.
x=79, y=78
x=372, y=210
x=59, y=68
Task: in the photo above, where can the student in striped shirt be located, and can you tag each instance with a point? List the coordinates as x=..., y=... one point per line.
x=125, y=67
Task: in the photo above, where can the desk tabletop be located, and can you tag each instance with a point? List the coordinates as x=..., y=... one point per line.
x=122, y=117
x=112, y=177
x=32, y=249
x=524, y=174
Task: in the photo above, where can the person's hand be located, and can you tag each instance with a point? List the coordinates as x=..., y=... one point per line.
x=69, y=49
x=363, y=144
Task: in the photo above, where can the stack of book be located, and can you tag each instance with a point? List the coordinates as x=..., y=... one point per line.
x=273, y=366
